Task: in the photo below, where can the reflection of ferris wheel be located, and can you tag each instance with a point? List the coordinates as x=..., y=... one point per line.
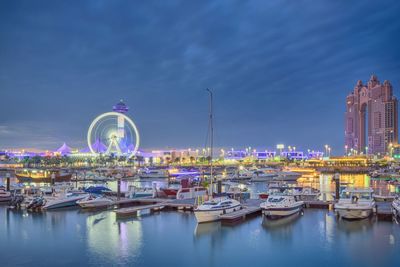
x=113, y=132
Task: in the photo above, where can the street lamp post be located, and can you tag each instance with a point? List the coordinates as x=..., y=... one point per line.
x=345, y=150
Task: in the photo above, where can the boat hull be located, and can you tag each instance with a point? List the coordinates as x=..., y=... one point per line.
x=57, y=204
x=94, y=204
x=5, y=199
x=353, y=213
x=203, y=216
x=280, y=212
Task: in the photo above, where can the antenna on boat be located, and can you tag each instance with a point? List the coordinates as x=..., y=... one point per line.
x=211, y=138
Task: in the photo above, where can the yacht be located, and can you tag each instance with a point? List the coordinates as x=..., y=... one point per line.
x=281, y=205
x=242, y=174
x=153, y=174
x=396, y=207
x=307, y=193
x=191, y=192
x=211, y=210
x=68, y=200
x=136, y=192
x=263, y=175
x=287, y=176
x=4, y=195
x=355, y=203
x=92, y=201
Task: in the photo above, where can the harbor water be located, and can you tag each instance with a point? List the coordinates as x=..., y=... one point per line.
x=75, y=238
x=72, y=237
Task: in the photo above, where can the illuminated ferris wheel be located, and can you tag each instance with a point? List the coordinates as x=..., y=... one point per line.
x=113, y=133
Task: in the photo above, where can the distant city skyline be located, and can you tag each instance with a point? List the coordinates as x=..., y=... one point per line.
x=280, y=72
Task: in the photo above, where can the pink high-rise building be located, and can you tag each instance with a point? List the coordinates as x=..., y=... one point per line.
x=371, y=117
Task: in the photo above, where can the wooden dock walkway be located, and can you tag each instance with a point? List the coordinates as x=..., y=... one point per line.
x=132, y=211
x=239, y=215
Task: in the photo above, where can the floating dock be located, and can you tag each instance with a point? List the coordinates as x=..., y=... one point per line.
x=239, y=215
x=128, y=212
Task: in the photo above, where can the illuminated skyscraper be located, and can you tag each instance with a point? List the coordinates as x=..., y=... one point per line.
x=371, y=117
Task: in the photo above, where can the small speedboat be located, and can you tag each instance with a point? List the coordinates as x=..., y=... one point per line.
x=355, y=203
x=278, y=206
x=65, y=201
x=92, y=201
x=36, y=203
x=97, y=189
x=211, y=210
x=4, y=195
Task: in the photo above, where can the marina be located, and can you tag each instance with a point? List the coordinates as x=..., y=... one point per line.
x=199, y=133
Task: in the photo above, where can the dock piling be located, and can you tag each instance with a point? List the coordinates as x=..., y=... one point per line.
x=8, y=181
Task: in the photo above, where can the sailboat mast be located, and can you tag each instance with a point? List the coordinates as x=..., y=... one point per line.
x=211, y=139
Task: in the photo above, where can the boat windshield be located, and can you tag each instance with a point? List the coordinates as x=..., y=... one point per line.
x=211, y=203
x=275, y=200
x=359, y=195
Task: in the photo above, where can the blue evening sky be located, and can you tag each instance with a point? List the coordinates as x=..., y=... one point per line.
x=280, y=70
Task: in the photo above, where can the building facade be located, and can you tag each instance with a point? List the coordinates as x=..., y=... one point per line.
x=371, y=118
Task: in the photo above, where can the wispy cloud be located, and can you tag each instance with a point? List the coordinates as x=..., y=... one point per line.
x=280, y=69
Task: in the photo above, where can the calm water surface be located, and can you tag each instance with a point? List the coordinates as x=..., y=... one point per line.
x=72, y=237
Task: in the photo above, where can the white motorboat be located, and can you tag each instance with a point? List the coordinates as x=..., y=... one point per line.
x=64, y=201
x=211, y=210
x=191, y=192
x=280, y=205
x=155, y=174
x=308, y=193
x=95, y=202
x=262, y=175
x=287, y=176
x=396, y=208
x=383, y=198
x=355, y=203
x=137, y=192
x=4, y=195
x=242, y=174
